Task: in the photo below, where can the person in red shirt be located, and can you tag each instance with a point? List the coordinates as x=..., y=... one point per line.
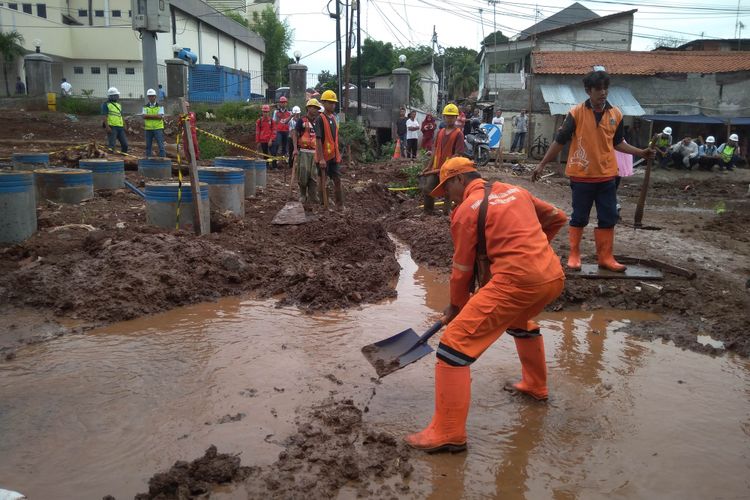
x=265, y=131
x=281, y=119
x=596, y=130
x=428, y=131
x=501, y=236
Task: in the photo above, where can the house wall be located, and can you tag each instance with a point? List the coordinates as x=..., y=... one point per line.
x=614, y=34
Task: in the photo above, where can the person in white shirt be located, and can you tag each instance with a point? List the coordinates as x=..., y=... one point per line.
x=412, y=135
x=66, y=88
x=499, y=120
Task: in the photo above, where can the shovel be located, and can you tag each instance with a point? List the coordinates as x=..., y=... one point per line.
x=404, y=348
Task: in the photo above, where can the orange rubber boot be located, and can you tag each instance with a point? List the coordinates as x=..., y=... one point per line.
x=447, y=430
x=605, y=239
x=574, y=259
x=533, y=367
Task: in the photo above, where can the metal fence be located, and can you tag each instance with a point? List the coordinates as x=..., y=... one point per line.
x=95, y=77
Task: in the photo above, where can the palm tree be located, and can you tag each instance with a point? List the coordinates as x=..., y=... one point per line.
x=10, y=49
x=464, y=77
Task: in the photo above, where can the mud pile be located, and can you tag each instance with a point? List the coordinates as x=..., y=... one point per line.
x=194, y=479
x=333, y=448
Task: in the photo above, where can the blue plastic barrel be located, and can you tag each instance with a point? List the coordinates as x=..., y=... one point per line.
x=17, y=206
x=64, y=185
x=226, y=188
x=108, y=174
x=162, y=202
x=155, y=168
x=244, y=163
x=261, y=177
x=30, y=161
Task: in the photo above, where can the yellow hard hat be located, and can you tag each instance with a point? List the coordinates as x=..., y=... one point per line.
x=330, y=95
x=312, y=102
x=450, y=110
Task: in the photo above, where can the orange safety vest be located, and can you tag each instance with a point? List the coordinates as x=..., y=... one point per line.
x=307, y=138
x=592, y=153
x=444, y=147
x=330, y=143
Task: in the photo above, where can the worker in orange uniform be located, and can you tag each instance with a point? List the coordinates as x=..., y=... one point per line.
x=305, y=144
x=449, y=142
x=501, y=235
x=596, y=130
x=328, y=154
x=265, y=131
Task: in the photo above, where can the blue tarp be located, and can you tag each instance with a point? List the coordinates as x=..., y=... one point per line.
x=740, y=120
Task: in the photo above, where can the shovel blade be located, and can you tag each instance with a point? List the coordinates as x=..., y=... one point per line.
x=393, y=353
x=292, y=213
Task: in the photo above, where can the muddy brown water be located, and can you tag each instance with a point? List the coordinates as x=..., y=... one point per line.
x=95, y=414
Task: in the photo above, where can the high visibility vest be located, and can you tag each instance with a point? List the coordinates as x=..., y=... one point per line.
x=152, y=124
x=727, y=153
x=114, y=115
x=444, y=147
x=330, y=143
x=306, y=140
x=662, y=141
x=592, y=153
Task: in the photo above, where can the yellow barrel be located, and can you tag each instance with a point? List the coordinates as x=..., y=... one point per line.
x=51, y=101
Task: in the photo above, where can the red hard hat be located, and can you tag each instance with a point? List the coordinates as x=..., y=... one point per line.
x=265, y=107
x=283, y=99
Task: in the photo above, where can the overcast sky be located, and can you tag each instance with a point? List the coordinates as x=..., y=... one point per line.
x=459, y=22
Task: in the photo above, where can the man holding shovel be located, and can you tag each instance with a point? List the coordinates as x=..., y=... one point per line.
x=328, y=154
x=501, y=236
x=449, y=142
x=304, y=141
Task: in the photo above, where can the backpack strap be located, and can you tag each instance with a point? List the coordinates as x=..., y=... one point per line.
x=481, y=237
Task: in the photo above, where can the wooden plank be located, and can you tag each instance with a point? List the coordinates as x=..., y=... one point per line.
x=194, y=184
x=593, y=271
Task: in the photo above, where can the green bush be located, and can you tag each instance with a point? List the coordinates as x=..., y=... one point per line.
x=353, y=134
x=210, y=148
x=412, y=174
x=227, y=111
x=79, y=106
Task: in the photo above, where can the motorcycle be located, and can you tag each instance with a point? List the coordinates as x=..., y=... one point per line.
x=477, y=145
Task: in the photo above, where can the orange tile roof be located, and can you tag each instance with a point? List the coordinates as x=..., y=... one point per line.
x=640, y=63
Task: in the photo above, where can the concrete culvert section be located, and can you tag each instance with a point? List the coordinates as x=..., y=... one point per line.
x=64, y=185
x=17, y=206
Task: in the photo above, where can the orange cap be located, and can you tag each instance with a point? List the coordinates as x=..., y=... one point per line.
x=451, y=168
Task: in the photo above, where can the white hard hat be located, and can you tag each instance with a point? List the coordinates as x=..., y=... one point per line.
x=710, y=139
x=296, y=109
x=150, y=92
x=113, y=91
x=734, y=137
x=667, y=130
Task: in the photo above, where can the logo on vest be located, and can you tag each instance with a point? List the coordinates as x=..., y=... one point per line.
x=580, y=158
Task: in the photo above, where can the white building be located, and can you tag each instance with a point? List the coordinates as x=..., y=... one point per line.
x=94, y=46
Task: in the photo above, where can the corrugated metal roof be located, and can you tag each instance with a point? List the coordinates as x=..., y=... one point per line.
x=561, y=98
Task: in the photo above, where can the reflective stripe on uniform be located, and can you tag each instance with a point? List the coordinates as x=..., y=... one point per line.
x=452, y=356
x=462, y=267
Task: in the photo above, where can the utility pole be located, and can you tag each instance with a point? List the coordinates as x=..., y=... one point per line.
x=494, y=19
x=434, y=42
x=149, y=18
x=338, y=51
x=359, y=61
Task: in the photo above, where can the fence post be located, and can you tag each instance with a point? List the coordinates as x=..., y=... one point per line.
x=400, y=96
x=38, y=74
x=297, y=84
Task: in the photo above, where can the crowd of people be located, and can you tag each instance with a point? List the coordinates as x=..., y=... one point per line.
x=688, y=152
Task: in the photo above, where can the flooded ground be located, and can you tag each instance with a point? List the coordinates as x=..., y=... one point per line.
x=83, y=416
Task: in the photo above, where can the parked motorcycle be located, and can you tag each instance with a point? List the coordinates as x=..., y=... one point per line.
x=477, y=144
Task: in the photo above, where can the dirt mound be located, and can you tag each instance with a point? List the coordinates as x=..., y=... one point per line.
x=189, y=480
x=332, y=448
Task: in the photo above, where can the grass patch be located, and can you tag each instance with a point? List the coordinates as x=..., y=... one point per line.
x=78, y=106
x=210, y=148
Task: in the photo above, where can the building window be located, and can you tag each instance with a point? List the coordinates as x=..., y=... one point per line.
x=26, y=8
x=83, y=13
x=41, y=10
x=96, y=70
x=112, y=71
x=99, y=13
x=130, y=13
x=13, y=6
x=116, y=13
x=77, y=70
x=130, y=71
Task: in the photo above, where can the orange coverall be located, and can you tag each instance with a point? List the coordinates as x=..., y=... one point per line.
x=526, y=272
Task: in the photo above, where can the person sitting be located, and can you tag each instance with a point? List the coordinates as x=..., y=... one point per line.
x=662, y=143
x=708, y=154
x=729, y=153
x=685, y=153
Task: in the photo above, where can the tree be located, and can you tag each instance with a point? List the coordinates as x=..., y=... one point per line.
x=10, y=49
x=278, y=38
x=670, y=42
x=237, y=17
x=461, y=71
x=492, y=38
x=327, y=81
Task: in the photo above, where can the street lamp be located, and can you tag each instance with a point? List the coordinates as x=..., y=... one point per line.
x=297, y=55
x=38, y=44
x=402, y=60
